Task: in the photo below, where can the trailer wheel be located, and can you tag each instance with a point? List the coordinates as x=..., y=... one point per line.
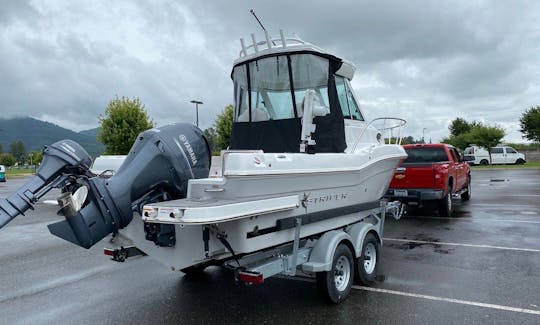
x=445, y=204
x=336, y=284
x=367, y=262
x=466, y=196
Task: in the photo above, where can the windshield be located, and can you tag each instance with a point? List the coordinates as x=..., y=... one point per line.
x=268, y=95
x=425, y=155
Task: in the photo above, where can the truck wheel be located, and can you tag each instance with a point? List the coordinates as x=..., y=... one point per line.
x=484, y=162
x=466, y=196
x=520, y=161
x=336, y=284
x=367, y=263
x=445, y=204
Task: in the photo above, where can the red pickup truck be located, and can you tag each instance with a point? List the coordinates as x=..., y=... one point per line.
x=432, y=173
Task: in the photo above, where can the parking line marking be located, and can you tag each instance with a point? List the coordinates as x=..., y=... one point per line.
x=455, y=301
x=417, y=295
x=473, y=219
x=494, y=205
x=464, y=245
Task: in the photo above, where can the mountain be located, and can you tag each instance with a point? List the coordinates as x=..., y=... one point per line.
x=35, y=134
x=92, y=132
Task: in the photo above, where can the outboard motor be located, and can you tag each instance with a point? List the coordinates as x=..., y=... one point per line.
x=157, y=168
x=62, y=157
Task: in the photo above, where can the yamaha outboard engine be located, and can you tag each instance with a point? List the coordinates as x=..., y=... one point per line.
x=157, y=168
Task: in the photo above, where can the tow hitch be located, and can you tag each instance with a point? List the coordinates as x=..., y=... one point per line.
x=122, y=253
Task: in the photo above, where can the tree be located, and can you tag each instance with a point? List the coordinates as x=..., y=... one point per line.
x=211, y=136
x=124, y=119
x=36, y=157
x=486, y=136
x=530, y=124
x=404, y=140
x=17, y=149
x=461, y=141
x=1, y=148
x=7, y=159
x=463, y=134
x=459, y=126
x=223, y=124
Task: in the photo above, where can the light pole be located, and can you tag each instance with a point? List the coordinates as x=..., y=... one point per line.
x=423, y=133
x=197, y=102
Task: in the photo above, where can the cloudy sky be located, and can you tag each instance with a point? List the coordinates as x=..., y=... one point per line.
x=425, y=61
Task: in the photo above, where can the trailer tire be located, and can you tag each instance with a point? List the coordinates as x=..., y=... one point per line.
x=368, y=261
x=445, y=204
x=336, y=284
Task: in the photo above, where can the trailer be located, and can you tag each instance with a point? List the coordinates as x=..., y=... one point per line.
x=335, y=258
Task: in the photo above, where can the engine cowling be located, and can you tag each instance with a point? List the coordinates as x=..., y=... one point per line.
x=158, y=166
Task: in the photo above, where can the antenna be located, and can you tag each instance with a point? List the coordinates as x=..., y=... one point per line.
x=252, y=11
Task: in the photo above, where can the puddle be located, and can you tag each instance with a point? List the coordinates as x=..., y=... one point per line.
x=407, y=246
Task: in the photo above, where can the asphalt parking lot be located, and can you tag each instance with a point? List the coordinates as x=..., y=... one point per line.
x=481, y=266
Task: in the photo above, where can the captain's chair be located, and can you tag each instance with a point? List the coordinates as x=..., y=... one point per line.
x=258, y=114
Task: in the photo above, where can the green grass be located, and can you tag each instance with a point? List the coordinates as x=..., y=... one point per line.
x=528, y=165
x=19, y=172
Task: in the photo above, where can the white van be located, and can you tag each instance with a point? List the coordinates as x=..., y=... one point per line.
x=107, y=164
x=499, y=155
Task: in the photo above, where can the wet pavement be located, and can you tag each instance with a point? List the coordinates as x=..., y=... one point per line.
x=482, y=266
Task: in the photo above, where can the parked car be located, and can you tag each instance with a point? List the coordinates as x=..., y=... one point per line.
x=499, y=155
x=432, y=173
x=2, y=173
x=107, y=164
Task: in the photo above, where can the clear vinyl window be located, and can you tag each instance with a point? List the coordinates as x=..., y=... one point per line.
x=353, y=106
x=268, y=91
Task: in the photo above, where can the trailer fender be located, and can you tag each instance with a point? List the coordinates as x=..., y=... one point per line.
x=322, y=254
x=358, y=232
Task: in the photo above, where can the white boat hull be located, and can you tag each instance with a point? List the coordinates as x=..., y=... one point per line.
x=333, y=199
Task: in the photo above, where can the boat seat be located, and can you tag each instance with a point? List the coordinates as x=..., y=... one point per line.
x=258, y=114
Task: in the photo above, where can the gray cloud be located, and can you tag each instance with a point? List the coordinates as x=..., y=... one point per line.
x=423, y=60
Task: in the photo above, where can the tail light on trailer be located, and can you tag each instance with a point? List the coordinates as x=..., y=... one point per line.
x=251, y=277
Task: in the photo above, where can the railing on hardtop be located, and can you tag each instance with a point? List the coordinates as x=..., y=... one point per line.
x=387, y=129
x=270, y=43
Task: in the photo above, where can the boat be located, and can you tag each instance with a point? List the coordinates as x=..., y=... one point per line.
x=302, y=162
x=275, y=170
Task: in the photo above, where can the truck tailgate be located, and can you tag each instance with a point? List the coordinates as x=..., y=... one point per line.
x=414, y=176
